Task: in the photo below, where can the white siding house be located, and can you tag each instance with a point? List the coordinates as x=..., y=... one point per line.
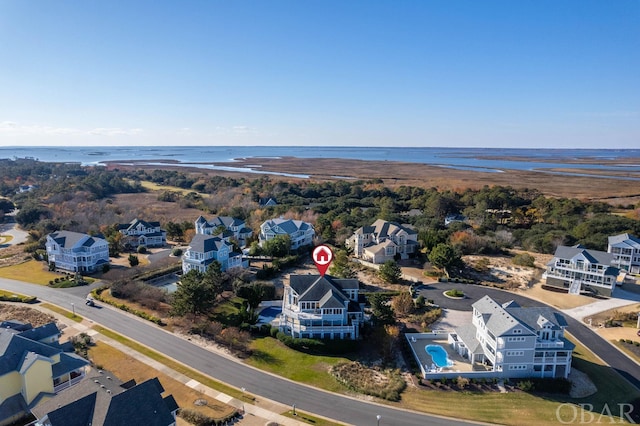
x=579, y=270
x=225, y=227
x=142, y=233
x=301, y=233
x=76, y=252
x=625, y=249
x=204, y=249
x=516, y=341
x=322, y=307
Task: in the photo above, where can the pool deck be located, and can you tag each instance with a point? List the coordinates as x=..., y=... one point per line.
x=459, y=364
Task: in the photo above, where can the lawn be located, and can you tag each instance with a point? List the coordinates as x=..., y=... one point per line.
x=271, y=355
x=31, y=271
x=125, y=367
x=505, y=408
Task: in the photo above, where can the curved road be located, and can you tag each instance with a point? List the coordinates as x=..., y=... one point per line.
x=256, y=382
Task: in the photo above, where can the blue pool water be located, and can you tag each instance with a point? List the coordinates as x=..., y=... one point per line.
x=269, y=314
x=438, y=355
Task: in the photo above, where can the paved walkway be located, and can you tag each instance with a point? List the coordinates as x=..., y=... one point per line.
x=624, y=298
x=259, y=413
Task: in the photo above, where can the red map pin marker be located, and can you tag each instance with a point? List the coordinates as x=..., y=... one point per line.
x=322, y=256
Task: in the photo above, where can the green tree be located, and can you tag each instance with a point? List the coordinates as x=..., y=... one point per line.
x=390, y=271
x=194, y=295
x=381, y=309
x=133, y=260
x=278, y=246
x=342, y=267
x=444, y=256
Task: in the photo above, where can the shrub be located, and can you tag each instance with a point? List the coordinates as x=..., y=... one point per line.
x=524, y=259
x=142, y=249
x=177, y=252
x=526, y=386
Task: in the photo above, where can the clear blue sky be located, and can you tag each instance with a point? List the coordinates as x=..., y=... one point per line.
x=513, y=73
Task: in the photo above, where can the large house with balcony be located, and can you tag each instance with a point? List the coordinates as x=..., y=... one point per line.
x=301, y=233
x=514, y=341
x=76, y=252
x=142, y=233
x=383, y=241
x=33, y=366
x=625, y=249
x=225, y=227
x=321, y=307
x=205, y=249
x=579, y=270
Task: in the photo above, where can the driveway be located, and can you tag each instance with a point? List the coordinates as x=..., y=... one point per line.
x=11, y=228
x=625, y=366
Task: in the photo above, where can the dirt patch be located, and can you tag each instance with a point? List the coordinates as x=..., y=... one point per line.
x=36, y=318
x=581, y=384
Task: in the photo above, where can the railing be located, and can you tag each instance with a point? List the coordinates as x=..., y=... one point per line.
x=558, y=344
x=67, y=384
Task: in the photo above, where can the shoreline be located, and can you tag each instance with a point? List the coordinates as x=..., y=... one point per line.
x=583, y=184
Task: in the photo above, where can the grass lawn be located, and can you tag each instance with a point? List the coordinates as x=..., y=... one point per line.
x=271, y=355
x=155, y=187
x=64, y=312
x=31, y=271
x=4, y=239
x=512, y=408
x=125, y=367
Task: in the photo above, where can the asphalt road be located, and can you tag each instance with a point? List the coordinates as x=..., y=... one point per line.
x=256, y=382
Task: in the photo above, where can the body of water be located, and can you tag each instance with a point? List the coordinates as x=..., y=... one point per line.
x=489, y=160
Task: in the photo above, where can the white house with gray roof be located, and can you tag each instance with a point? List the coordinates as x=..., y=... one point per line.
x=625, y=249
x=383, y=241
x=322, y=307
x=579, y=270
x=224, y=227
x=301, y=233
x=76, y=252
x=515, y=341
x=205, y=249
x=139, y=232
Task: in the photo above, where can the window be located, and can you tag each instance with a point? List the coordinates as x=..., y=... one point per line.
x=517, y=367
x=517, y=331
x=515, y=339
x=515, y=353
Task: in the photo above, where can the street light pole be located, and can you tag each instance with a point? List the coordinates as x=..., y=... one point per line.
x=73, y=308
x=378, y=417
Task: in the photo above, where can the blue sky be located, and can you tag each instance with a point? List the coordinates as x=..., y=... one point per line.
x=557, y=73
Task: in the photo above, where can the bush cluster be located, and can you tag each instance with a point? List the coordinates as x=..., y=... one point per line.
x=16, y=298
x=524, y=259
x=382, y=384
x=316, y=346
x=197, y=418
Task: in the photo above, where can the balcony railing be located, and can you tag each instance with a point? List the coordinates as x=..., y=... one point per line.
x=556, y=344
x=64, y=385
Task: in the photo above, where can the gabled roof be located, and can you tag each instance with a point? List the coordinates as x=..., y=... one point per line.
x=384, y=229
x=535, y=317
x=288, y=226
x=143, y=404
x=326, y=290
x=14, y=348
x=206, y=243
x=135, y=222
x=592, y=256
x=76, y=413
x=43, y=332
x=217, y=221
x=68, y=239
x=497, y=319
x=625, y=239
x=102, y=399
x=13, y=406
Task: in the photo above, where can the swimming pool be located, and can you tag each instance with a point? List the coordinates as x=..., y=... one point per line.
x=439, y=356
x=267, y=315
